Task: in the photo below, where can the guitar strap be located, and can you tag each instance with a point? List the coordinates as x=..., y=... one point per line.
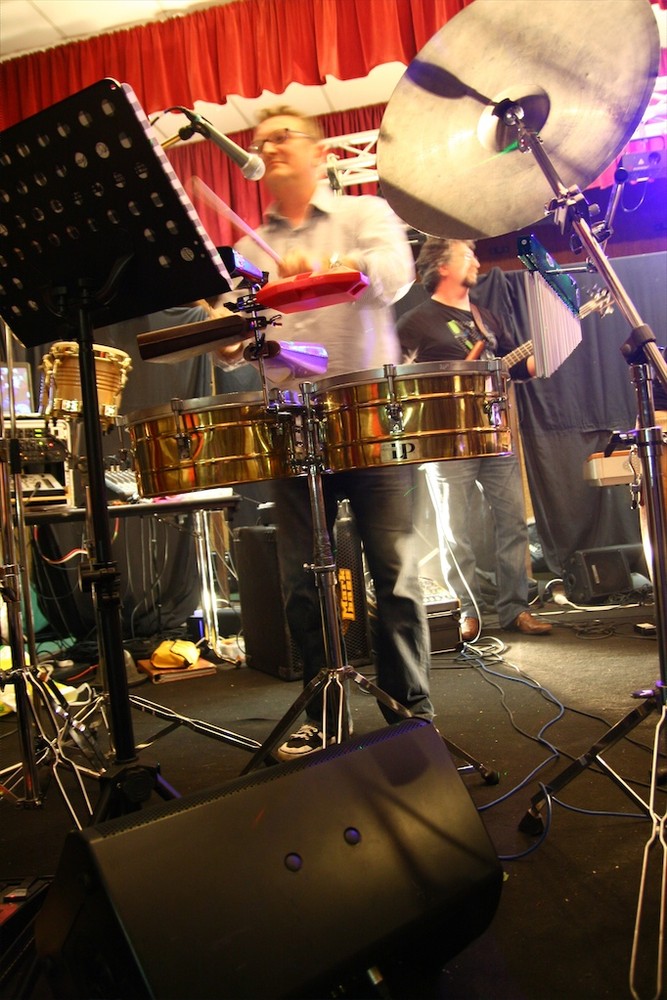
x=479, y=322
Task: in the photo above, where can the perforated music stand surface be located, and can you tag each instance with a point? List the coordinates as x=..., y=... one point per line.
x=85, y=185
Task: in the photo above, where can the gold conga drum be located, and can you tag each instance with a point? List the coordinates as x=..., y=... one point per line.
x=61, y=396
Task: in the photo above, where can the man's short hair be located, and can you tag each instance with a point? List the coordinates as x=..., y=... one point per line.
x=434, y=253
x=310, y=126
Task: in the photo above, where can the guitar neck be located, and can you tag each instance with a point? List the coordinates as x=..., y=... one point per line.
x=600, y=302
x=518, y=354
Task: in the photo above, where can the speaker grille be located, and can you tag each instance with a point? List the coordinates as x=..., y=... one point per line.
x=593, y=574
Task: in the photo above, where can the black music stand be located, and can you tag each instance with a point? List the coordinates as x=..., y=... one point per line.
x=98, y=230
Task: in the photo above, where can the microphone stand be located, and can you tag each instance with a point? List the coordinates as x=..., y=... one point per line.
x=252, y=165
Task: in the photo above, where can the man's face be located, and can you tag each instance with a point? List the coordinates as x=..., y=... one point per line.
x=287, y=153
x=463, y=266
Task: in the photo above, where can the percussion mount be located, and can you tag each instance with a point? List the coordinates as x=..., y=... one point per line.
x=336, y=673
x=335, y=676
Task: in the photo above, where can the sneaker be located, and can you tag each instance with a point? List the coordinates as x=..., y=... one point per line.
x=308, y=739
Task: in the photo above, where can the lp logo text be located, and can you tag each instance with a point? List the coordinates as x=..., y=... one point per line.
x=396, y=451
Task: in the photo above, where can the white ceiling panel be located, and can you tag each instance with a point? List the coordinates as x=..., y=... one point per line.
x=77, y=19
x=23, y=27
x=30, y=25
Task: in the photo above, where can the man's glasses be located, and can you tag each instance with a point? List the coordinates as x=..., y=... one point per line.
x=277, y=138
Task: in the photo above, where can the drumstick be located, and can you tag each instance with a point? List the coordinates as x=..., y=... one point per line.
x=213, y=201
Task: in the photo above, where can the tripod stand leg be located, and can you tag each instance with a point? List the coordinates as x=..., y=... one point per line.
x=309, y=693
x=490, y=777
x=532, y=821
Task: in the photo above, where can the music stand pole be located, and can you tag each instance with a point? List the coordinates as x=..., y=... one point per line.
x=102, y=577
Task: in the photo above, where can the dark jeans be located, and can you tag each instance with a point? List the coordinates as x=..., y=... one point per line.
x=451, y=485
x=382, y=501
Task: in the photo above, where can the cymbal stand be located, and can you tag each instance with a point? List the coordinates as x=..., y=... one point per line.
x=332, y=680
x=640, y=352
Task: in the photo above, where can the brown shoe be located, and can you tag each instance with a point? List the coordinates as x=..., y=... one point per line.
x=469, y=629
x=529, y=625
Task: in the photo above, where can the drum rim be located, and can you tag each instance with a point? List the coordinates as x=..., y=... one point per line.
x=200, y=404
x=409, y=371
x=115, y=352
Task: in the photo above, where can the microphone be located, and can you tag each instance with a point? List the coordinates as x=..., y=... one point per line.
x=252, y=166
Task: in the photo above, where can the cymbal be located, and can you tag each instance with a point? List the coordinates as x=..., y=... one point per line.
x=583, y=70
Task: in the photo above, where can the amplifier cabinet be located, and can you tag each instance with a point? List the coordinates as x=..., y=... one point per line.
x=268, y=643
x=444, y=623
x=594, y=574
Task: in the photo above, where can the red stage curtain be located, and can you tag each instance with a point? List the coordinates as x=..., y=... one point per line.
x=239, y=48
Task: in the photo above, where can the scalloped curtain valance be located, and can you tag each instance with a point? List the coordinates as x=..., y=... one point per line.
x=243, y=47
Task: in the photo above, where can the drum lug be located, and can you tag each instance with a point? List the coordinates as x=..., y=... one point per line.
x=183, y=442
x=395, y=418
x=393, y=408
x=184, y=447
x=494, y=410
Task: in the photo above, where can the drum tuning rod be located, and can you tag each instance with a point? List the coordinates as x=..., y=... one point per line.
x=393, y=407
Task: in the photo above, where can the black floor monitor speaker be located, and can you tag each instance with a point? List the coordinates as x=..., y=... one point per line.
x=279, y=883
x=593, y=574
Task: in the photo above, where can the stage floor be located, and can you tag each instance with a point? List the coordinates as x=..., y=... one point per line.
x=524, y=707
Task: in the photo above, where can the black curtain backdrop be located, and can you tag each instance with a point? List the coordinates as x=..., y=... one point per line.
x=569, y=416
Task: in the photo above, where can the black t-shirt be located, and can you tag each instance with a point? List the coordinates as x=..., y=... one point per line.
x=436, y=332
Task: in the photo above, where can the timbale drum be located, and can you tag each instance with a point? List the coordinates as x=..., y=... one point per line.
x=215, y=441
x=413, y=413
